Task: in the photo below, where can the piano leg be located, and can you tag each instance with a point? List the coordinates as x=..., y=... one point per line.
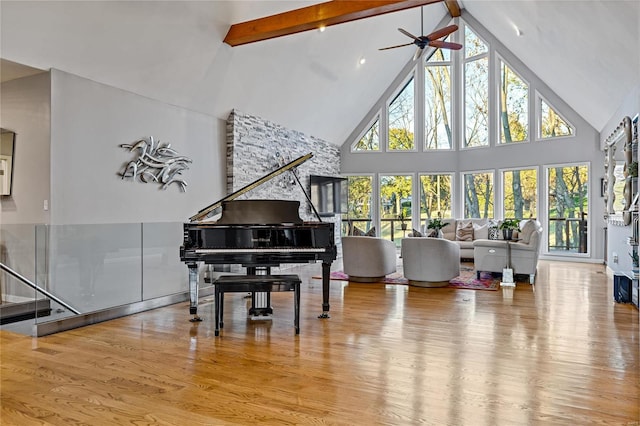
x=260, y=300
x=326, y=271
x=193, y=291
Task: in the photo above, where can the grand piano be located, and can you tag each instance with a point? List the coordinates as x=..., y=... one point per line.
x=259, y=235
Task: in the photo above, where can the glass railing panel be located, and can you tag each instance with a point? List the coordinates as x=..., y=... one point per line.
x=163, y=273
x=17, y=247
x=95, y=266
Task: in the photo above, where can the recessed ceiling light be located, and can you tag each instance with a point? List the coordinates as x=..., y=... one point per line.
x=518, y=30
x=362, y=60
x=321, y=28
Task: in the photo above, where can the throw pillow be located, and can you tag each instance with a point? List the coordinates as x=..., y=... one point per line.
x=371, y=232
x=415, y=233
x=357, y=232
x=480, y=232
x=464, y=231
x=527, y=229
x=494, y=231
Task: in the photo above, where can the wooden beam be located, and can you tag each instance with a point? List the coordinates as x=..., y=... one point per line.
x=313, y=17
x=453, y=7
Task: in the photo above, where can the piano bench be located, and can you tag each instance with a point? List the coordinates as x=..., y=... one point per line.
x=254, y=283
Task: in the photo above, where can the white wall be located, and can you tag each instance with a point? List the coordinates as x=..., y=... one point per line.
x=90, y=120
x=25, y=110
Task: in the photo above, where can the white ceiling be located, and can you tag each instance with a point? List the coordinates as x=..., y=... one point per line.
x=587, y=51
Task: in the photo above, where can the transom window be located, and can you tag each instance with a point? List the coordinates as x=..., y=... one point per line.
x=437, y=101
x=370, y=141
x=514, y=106
x=401, y=118
x=476, y=90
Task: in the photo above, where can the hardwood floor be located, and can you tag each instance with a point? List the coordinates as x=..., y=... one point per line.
x=561, y=352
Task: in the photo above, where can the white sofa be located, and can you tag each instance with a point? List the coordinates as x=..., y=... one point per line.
x=368, y=259
x=430, y=262
x=480, y=228
x=491, y=255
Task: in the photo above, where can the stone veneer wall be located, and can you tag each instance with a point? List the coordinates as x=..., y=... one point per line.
x=256, y=147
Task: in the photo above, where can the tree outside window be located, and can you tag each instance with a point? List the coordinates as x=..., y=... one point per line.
x=520, y=193
x=395, y=204
x=568, y=207
x=435, y=196
x=401, y=118
x=514, y=106
x=437, y=87
x=478, y=195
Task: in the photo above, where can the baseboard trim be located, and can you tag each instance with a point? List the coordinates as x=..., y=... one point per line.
x=76, y=321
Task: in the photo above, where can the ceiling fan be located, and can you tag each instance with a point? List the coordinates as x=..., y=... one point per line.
x=428, y=40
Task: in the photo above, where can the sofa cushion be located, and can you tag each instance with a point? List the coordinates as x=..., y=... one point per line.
x=480, y=232
x=449, y=231
x=527, y=230
x=464, y=231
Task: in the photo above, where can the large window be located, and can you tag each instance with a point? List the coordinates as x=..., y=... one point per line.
x=476, y=90
x=401, y=115
x=520, y=193
x=359, y=203
x=514, y=106
x=552, y=125
x=478, y=195
x=568, y=207
x=437, y=101
x=435, y=196
x=395, y=205
x=370, y=141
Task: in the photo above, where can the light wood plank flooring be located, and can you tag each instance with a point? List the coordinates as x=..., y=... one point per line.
x=561, y=352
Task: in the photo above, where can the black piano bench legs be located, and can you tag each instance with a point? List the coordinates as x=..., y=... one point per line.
x=254, y=283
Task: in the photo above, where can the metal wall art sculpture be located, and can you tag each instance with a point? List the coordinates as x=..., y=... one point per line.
x=156, y=162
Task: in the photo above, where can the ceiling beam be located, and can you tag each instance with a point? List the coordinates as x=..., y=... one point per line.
x=453, y=7
x=313, y=17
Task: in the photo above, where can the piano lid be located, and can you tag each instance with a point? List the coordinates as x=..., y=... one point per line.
x=215, y=207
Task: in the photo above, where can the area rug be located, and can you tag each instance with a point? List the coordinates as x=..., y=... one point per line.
x=466, y=280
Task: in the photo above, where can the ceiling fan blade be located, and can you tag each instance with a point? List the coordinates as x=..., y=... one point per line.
x=418, y=53
x=408, y=34
x=445, y=45
x=442, y=32
x=393, y=47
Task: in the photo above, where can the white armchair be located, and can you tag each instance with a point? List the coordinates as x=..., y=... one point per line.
x=368, y=259
x=430, y=262
x=491, y=255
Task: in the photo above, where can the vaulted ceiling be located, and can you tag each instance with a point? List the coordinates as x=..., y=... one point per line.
x=587, y=51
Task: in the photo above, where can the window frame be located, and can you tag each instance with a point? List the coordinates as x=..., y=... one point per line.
x=498, y=77
x=545, y=216
x=502, y=195
x=377, y=117
x=403, y=85
x=462, y=192
x=538, y=120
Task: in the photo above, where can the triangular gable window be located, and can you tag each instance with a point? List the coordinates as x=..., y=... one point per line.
x=552, y=124
x=370, y=141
